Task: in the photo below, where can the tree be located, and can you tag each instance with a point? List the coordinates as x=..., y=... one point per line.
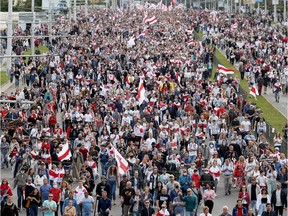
x=21, y=6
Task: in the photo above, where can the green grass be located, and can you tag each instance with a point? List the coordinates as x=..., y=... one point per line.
x=200, y=35
x=3, y=78
x=41, y=48
x=271, y=115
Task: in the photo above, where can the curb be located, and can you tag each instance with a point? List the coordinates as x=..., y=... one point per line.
x=6, y=86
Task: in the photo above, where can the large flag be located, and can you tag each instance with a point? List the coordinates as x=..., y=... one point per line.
x=141, y=92
x=224, y=70
x=145, y=18
x=254, y=92
x=152, y=20
x=65, y=153
x=122, y=163
x=131, y=41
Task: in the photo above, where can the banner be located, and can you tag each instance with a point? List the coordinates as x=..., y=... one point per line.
x=275, y=2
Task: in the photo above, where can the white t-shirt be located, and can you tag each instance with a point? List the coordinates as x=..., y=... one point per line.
x=88, y=117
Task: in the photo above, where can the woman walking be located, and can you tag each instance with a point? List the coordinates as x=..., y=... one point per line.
x=112, y=181
x=209, y=196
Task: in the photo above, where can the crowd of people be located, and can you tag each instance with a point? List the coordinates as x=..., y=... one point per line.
x=144, y=88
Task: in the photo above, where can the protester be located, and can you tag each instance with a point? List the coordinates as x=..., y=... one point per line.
x=225, y=211
x=70, y=210
x=8, y=207
x=239, y=209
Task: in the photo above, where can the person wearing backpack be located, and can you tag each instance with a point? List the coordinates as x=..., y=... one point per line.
x=9, y=208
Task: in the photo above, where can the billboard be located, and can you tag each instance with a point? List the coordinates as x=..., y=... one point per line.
x=275, y=2
x=56, y=4
x=249, y=2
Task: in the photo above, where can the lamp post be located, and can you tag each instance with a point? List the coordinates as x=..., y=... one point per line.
x=9, y=34
x=32, y=28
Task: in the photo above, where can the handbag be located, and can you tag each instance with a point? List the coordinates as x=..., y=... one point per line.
x=27, y=204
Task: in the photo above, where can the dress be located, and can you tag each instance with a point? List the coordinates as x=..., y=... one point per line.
x=239, y=173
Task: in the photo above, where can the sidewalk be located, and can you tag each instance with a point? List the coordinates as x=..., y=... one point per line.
x=283, y=102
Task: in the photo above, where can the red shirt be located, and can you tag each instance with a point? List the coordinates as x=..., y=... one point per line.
x=6, y=190
x=196, y=178
x=46, y=145
x=240, y=211
x=84, y=152
x=52, y=120
x=56, y=194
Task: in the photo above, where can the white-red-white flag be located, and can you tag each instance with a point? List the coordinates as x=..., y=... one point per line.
x=65, y=153
x=111, y=77
x=152, y=20
x=141, y=92
x=178, y=78
x=234, y=26
x=174, y=2
x=131, y=41
x=145, y=18
x=254, y=92
x=215, y=19
x=173, y=144
x=224, y=70
x=122, y=163
x=170, y=7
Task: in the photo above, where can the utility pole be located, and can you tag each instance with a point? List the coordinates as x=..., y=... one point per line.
x=9, y=34
x=74, y=10
x=32, y=28
x=275, y=13
x=265, y=6
x=50, y=21
x=86, y=8
x=284, y=11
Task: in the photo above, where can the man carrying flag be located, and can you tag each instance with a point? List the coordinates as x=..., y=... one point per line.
x=141, y=92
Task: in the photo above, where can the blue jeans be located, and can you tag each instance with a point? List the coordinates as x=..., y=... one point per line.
x=136, y=214
x=4, y=159
x=277, y=95
x=188, y=213
x=262, y=208
x=103, y=168
x=192, y=158
x=112, y=185
x=20, y=196
x=253, y=206
x=33, y=211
